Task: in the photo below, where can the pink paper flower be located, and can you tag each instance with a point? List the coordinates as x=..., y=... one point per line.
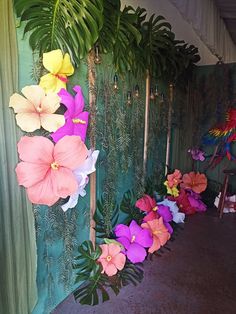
x=174, y=179
x=159, y=232
x=111, y=259
x=76, y=118
x=46, y=171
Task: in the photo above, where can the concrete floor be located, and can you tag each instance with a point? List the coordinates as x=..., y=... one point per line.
x=198, y=276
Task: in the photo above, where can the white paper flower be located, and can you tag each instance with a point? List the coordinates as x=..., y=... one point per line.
x=82, y=178
x=177, y=216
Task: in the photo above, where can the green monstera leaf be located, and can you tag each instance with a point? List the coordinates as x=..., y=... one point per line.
x=70, y=25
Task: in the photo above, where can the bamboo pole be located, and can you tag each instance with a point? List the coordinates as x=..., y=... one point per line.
x=169, y=123
x=92, y=106
x=146, y=124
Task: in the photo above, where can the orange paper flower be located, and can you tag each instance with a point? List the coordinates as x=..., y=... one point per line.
x=111, y=259
x=159, y=232
x=197, y=182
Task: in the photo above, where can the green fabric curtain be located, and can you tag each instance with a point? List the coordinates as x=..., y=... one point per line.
x=17, y=233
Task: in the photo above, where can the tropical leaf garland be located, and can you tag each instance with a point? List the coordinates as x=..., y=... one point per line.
x=70, y=25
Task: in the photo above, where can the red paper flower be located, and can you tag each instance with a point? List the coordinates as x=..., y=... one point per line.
x=183, y=203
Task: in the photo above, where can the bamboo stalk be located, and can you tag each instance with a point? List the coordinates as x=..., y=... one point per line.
x=146, y=123
x=92, y=105
x=168, y=137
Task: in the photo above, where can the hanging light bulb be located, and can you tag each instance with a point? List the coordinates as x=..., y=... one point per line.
x=129, y=100
x=115, y=82
x=152, y=96
x=97, y=58
x=136, y=91
x=156, y=93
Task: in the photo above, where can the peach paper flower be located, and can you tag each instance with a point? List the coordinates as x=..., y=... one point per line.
x=159, y=232
x=37, y=109
x=46, y=171
x=111, y=259
x=197, y=182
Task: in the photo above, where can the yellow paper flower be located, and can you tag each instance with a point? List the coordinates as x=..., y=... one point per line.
x=59, y=69
x=172, y=191
x=36, y=109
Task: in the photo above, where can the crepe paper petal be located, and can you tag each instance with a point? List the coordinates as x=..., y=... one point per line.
x=144, y=238
x=165, y=213
x=28, y=122
x=134, y=228
x=155, y=246
x=20, y=104
x=29, y=174
x=177, y=216
x=125, y=242
x=197, y=154
x=52, y=61
x=146, y=203
x=37, y=110
x=81, y=174
x=174, y=179
x=109, y=241
x=151, y=215
x=35, y=149
x=136, y=253
x=172, y=191
x=111, y=259
x=38, y=153
x=59, y=69
x=76, y=119
x=168, y=227
x=70, y=152
x=122, y=231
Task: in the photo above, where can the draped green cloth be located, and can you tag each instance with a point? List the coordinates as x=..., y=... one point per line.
x=17, y=233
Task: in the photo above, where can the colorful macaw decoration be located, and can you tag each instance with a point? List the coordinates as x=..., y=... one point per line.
x=223, y=136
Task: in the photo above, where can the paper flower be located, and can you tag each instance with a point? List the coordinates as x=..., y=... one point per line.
x=111, y=259
x=76, y=118
x=159, y=232
x=197, y=154
x=46, y=171
x=194, y=181
x=37, y=109
x=183, y=203
x=174, y=179
x=81, y=175
x=195, y=201
x=177, y=216
x=148, y=205
x=135, y=240
x=172, y=191
x=59, y=67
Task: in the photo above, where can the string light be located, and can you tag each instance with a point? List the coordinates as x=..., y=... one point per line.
x=115, y=82
x=97, y=58
x=136, y=91
x=152, y=96
x=129, y=100
x=156, y=93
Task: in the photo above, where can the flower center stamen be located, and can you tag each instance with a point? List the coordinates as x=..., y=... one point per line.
x=61, y=78
x=39, y=109
x=157, y=232
x=155, y=208
x=55, y=165
x=109, y=258
x=133, y=238
x=78, y=121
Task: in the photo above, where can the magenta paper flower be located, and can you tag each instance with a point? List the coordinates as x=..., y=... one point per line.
x=134, y=239
x=76, y=119
x=197, y=154
x=196, y=202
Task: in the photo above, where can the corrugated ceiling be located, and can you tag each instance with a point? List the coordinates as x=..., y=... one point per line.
x=227, y=9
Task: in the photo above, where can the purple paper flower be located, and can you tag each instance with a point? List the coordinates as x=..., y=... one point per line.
x=197, y=154
x=165, y=213
x=196, y=202
x=76, y=119
x=134, y=239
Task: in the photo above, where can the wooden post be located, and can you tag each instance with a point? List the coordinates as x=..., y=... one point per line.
x=92, y=105
x=146, y=123
x=169, y=124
